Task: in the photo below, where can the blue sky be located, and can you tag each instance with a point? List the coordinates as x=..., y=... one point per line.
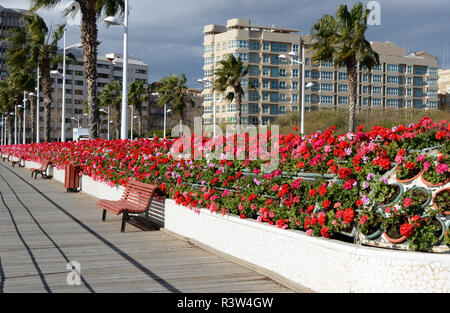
x=167, y=34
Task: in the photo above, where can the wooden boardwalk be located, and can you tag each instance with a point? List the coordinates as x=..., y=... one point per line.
x=43, y=228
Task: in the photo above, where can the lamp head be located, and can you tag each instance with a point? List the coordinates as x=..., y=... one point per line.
x=309, y=85
x=112, y=20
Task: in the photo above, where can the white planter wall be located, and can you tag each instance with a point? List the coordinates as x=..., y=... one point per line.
x=317, y=263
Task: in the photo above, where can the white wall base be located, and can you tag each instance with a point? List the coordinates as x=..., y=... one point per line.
x=316, y=263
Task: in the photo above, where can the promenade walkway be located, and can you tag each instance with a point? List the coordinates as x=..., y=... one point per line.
x=43, y=228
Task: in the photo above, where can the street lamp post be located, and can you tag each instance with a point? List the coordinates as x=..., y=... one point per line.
x=15, y=124
x=302, y=62
x=24, y=116
x=132, y=121
x=37, y=105
x=111, y=20
x=76, y=119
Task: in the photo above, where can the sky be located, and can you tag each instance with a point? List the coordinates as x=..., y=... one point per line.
x=168, y=34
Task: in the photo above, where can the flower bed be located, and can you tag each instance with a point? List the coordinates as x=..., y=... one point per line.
x=330, y=206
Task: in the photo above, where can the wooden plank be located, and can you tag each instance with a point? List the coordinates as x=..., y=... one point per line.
x=38, y=238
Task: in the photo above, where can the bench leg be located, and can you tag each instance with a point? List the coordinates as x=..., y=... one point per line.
x=104, y=215
x=124, y=221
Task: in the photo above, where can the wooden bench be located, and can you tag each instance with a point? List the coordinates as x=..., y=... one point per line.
x=5, y=157
x=41, y=170
x=20, y=162
x=136, y=200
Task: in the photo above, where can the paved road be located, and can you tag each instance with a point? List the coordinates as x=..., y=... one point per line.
x=43, y=228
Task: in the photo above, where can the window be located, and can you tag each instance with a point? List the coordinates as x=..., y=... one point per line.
x=377, y=90
x=273, y=109
x=409, y=92
x=273, y=97
x=266, y=45
x=294, y=97
x=282, y=109
x=294, y=73
x=139, y=71
x=255, y=108
x=342, y=100
x=265, y=96
x=342, y=76
x=409, y=81
x=294, y=85
x=254, y=58
x=326, y=99
x=393, y=91
x=419, y=70
x=342, y=88
x=255, y=83
x=391, y=102
x=307, y=74
x=418, y=92
x=274, y=84
x=294, y=109
x=376, y=78
x=418, y=81
x=265, y=83
x=365, y=77
x=376, y=102
x=275, y=47
x=265, y=109
x=243, y=56
x=282, y=85
x=274, y=72
x=238, y=44
x=266, y=58
x=255, y=96
x=365, y=101
x=254, y=45
x=209, y=48
x=266, y=71
x=283, y=47
x=315, y=75
x=326, y=75
x=432, y=71
x=274, y=59
x=295, y=48
x=409, y=69
x=282, y=97
x=326, y=87
x=393, y=68
x=365, y=89
x=283, y=72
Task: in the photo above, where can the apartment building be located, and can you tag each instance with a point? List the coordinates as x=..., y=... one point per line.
x=109, y=68
x=9, y=18
x=399, y=81
x=444, y=88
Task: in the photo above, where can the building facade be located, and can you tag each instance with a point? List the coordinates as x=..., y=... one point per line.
x=9, y=18
x=109, y=68
x=400, y=81
x=444, y=89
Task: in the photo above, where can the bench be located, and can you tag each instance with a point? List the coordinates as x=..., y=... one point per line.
x=5, y=157
x=20, y=162
x=136, y=200
x=41, y=170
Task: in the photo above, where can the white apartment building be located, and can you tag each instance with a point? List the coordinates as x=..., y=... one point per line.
x=399, y=81
x=109, y=68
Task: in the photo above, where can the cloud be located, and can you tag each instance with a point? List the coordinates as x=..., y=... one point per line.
x=167, y=34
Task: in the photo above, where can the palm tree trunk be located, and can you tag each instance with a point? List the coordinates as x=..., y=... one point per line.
x=352, y=87
x=89, y=40
x=238, y=107
x=118, y=120
x=44, y=63
x=19, y=126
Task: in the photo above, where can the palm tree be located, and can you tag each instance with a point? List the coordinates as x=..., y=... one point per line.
x=91, y=10
x=138, y=94
x=39, y=43
x=341, y=40
x=228, y=76
x=111, y=96
x=172, y=92
x=7, y=102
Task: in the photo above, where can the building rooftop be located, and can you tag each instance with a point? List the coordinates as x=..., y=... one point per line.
x=239, y=23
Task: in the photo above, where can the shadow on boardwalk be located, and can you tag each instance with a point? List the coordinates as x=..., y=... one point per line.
x=43, y=228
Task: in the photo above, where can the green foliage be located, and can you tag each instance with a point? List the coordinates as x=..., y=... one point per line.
x=442, y=200
x=426, y=234
x=173, y=94
x=369, y=221
x=383, y=193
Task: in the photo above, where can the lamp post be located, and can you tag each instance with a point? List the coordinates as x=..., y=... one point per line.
x=204, y=81
x=165, y=113
x=302, y=62
x=56, y=72
x=38, y=98
x=111, y=20
x=76, y=119
x=15, y=124
x=102, y=110
x=131, y=121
